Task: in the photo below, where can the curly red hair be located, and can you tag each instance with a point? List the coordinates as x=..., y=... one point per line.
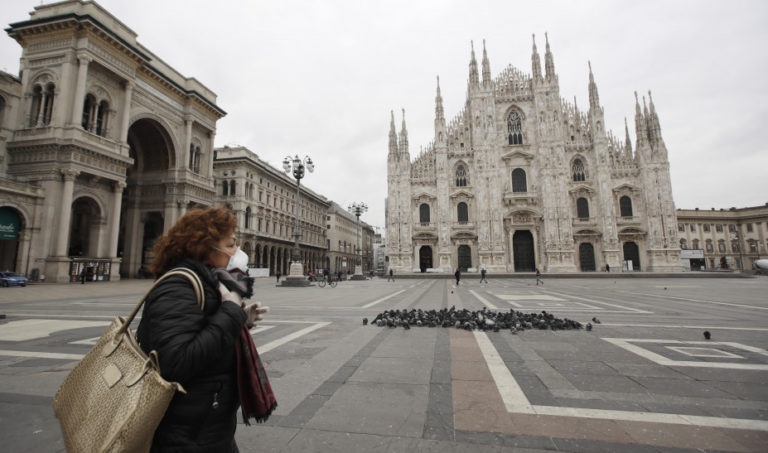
x=193, y=236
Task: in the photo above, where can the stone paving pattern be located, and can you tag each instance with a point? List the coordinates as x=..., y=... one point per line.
x=345, y=387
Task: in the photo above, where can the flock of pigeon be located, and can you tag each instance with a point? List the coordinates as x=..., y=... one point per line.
x=484, y=319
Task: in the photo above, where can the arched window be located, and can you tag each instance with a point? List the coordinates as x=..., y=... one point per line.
x=88, y=105
x=232, y=189
x=37, y=102
x=424, y=214
x=695, y=244
x=2, y=110
x=518, y=180
x=625, y=205
x=248, y=217
x=461, y=176
x=710, y=247
x=514, y=129
x=224, y=188
x=101, y=118
x=196, y=162
x=721, y=246
x=582, y=208
x=462, y=212
x=683, y=244
x=48, y=104
x=578, y=170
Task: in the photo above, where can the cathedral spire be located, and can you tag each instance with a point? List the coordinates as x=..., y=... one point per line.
x=549, y=63
x=641, y=131
x=536, y=62
x=403, y=145
x=439, y=113
x=392, y=135
x=627, y=141
x=655, y=128
x=594, y=99
x=473, y=77
x=486, y=68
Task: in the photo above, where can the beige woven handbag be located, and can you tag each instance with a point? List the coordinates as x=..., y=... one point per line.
x=114, y=398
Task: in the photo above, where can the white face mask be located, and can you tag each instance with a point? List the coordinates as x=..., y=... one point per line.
x=238, y=261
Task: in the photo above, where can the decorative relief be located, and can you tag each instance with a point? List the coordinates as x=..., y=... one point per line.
x=50, y=61
x=521, y=218
x=110, y=58
x=51, y=44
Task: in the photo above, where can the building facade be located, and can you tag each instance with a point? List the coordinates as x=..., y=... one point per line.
x=103, y=146
x=522, y=179
x=724, y=239
x=342, y=243
x=264, y=200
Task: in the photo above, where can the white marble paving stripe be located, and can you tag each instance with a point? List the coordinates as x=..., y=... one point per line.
x=654, y=417
x=383, y=299
x=622, y=307
x=40, y=355
x=700, y=300
x=515, y=401
x=482, y=299
x=675, y=326
x=513, y=396
x=627, y=343
x=290, y=337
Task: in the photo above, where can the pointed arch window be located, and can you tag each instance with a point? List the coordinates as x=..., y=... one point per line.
x=462, y=212
x=224, y=188
x=232, y=187
x=625, y=205
x=101, y=118
x=37, y=102
x=514, y=129
x=578, y=170
x=424, y=214
x=248, y=217
x=582, y=208
x=461, y=176
x=519, y=183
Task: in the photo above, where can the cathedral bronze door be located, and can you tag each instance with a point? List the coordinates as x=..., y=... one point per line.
x=631, y=253
x=465, y=257
x=425, y=258
x=587, y=257
x=523, y=251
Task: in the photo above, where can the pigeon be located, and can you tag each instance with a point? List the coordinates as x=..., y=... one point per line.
x=707, y=335
x=596, y=321
x=365, y=321
x=589, y=327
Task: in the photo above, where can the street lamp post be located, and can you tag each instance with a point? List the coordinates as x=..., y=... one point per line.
x=358, y=209
x=297, y=166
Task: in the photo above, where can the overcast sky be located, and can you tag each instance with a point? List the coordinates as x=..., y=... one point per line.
x=319, y=78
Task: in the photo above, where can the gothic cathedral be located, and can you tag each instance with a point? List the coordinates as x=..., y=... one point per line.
x=521, y=180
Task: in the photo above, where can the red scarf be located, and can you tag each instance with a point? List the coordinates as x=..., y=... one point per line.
x=256, y=398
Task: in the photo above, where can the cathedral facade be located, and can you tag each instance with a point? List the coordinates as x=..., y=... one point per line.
x=521, y=179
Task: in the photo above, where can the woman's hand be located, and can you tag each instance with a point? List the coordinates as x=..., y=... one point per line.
x=255, y=313
x=229, y=296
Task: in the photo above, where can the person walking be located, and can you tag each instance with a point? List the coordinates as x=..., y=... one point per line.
x=83, y=273
x=278, y=275
x=391, y=275
x=607, y=267
x=207, y=349
x=482, y=276
x=538, y=277
x=457, y=274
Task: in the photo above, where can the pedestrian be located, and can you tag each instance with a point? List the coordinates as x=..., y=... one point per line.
x=207, y=349
x=482, y=276
x=457, y=274
x=83, y=274
x=278, y=275
x=538, y=277
x=391, y=275
x=338, y=276
x=607, y=267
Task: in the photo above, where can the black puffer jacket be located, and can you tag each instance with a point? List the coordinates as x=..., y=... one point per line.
x=196, y=349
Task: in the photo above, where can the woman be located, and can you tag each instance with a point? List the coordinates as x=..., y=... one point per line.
x=197, y=347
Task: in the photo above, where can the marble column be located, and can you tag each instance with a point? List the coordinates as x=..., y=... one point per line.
x=82, y=75
x=126, y=115
x=65, y=215
x=114, y=223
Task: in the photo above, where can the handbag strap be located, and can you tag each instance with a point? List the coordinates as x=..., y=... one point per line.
x=197, y=286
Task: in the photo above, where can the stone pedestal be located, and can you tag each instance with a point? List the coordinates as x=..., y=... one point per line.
x=358, y=275
x=295, y=276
